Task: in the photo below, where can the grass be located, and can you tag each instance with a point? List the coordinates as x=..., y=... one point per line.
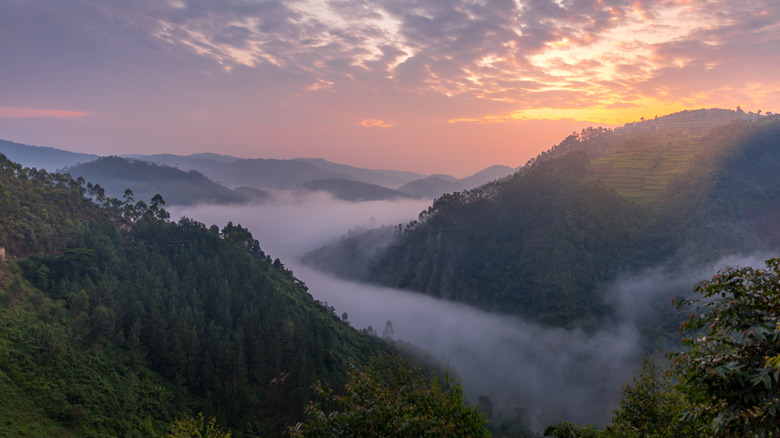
x=645, y=174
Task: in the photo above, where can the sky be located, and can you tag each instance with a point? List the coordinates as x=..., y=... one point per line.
x=432, y=86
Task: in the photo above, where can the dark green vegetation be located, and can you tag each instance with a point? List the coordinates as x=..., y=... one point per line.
x=547, y=242
x=725, y=382
x=522, y=246
x=41, y=211
x=391, y=398
x=115, y=321
x=145, y=179
x=732, y=351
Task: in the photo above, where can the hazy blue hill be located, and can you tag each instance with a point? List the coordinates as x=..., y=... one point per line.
x=270, y=174
x=385, y=178
x=546, y=242
x=185, y=162
x=353, y=191
x=431, y=187
x=487, y=175
x=253, y=173
x=214, y=157
x=257, y=174
x=437, y=185
x=251, y=194
x=277, y=174
x=116, y=174
x=41, y=157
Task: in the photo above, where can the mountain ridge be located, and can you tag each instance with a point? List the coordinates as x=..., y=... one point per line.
x=545, y=242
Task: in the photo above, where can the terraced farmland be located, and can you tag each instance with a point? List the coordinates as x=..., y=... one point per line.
x=645, y=174
x=642, y=160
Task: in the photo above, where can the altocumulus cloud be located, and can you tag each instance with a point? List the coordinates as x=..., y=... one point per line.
x=496, y=50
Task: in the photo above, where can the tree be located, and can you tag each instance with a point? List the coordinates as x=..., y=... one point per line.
x=128, y=207
x=391, y=398
x=566, y=429
x=733, y=336
x=156, y=208
x=485, y=406
x=652, y=406
x=196, y=427
x=388, y=332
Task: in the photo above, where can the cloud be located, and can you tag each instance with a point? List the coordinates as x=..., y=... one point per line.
x=26, y=113
x=373, y=123
x=475, y=48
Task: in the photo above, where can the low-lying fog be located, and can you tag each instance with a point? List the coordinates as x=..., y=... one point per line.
x=552, y=373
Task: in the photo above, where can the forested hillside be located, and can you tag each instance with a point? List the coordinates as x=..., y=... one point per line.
x=114, y=321
x=542, y=244
x=546, y=243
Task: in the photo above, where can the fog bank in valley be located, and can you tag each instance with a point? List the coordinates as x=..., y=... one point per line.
x=551, y=373
x=291, y=224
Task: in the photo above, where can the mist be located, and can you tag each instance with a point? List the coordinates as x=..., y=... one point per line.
x=291, y=223
x=551, y=373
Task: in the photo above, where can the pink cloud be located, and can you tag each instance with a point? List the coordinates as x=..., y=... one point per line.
x=372, y=123
x=27, y=113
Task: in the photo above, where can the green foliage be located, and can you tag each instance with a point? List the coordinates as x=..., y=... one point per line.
x=653, y=407
x=734, y=330
x=391, y=398
x=196, y=427
x=39, y=211
x=566, y=429
x=53, y=385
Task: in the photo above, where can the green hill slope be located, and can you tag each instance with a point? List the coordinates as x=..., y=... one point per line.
x=123, y=326
x=547, y=242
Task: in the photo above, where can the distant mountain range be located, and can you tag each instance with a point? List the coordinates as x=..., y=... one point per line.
x=437, y=185
x=115, y=174
x=209, y=177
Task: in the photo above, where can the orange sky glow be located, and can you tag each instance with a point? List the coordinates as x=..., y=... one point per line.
x=434, y=86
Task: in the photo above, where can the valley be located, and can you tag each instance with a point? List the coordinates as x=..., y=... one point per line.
x=543, y=291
